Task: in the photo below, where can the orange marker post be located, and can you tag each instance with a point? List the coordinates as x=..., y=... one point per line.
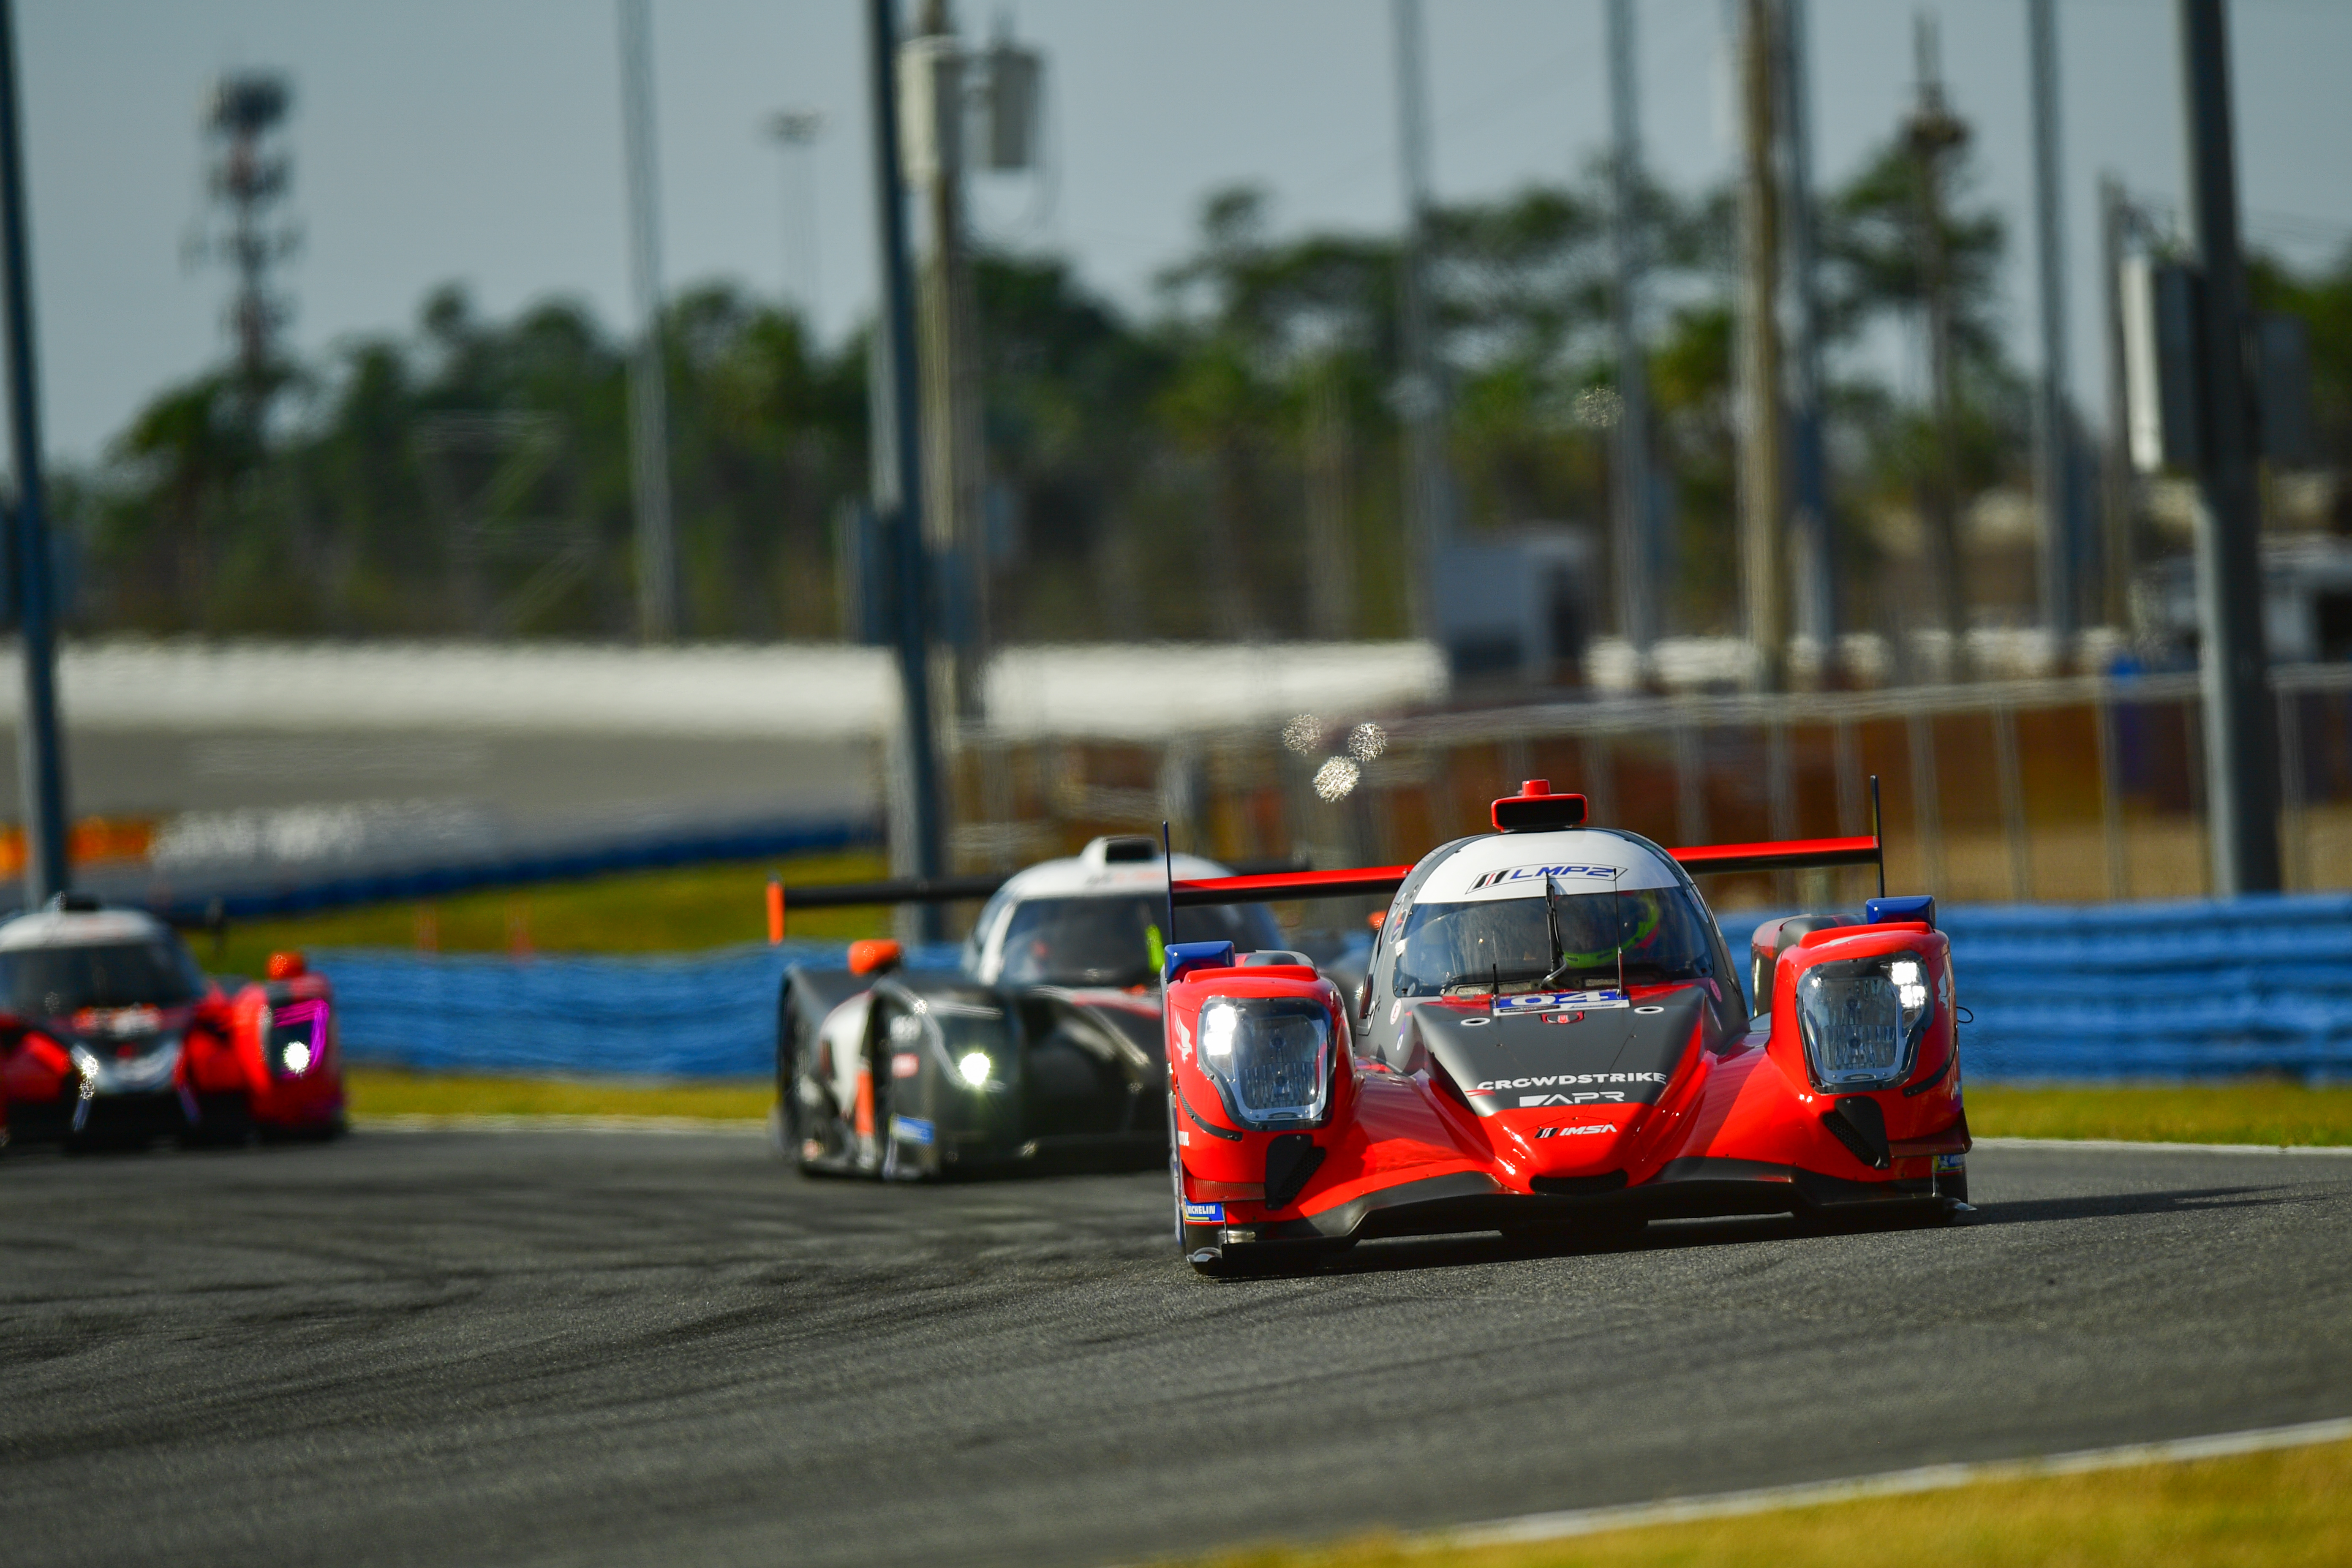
x=775, y=910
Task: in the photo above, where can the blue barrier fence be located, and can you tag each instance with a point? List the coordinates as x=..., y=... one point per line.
x=2187, y=990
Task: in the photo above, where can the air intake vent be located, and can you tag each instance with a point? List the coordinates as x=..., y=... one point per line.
x=1579, y=1187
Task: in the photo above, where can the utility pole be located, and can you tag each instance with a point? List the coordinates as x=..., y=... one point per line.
x=1934, y=132
x=1814, y=554
x=1429, y=492
x=932, y=85
x=41, y=764
x=1636, y=512
x=916, y=836
x=2054, y=423
x=648, y=391
x=2240, y=742
x=2118, y=484
x=1763, y=475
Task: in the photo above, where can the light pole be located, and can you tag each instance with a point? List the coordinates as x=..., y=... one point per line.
x=40, y=767
x=796, y=130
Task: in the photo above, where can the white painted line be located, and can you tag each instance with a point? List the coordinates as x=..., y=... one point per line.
x=1893, y=1483
x=418, y=1122
x=2123, y=1146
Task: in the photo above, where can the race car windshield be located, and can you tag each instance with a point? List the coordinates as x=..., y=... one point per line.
x=52, y=982
x=1466, y=949
x=1106, y=941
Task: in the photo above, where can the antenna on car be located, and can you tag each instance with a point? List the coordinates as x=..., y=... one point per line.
x=1617, y=914
x=1878, y=834
x=1168, y=858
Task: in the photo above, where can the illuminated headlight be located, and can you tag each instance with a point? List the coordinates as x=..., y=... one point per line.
x=294, y=1037
x=973, y=1069
x=1862, y=1020
x=1271, y=1056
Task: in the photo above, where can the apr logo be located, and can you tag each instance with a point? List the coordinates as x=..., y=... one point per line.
x=1538, y=873
x=1589, y=1096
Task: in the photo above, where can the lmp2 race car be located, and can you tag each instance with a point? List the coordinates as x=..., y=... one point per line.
x=112, y=1036
x=1551, y=1040
x=1043, y=1049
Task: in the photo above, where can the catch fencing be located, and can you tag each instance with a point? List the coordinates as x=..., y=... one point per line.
x=2183, y=990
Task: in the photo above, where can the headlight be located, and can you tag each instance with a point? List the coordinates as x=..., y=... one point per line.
x=1862, y=1020
x=1270, y=1057
x=294, y=1037
x=973, y=1069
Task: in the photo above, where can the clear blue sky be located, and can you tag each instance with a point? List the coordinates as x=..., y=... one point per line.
x=479, y=141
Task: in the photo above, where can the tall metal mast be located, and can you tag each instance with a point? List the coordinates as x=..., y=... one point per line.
x=40, y=765
x=917, y=838
x=648, y=393
x=1429, y=494
x=2241, y=741
x=1813, y=552
x=2054, y=429
x=1635, y=533
x=1763, y=475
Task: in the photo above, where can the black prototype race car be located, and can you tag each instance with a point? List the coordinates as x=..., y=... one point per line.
x=1043, y=1050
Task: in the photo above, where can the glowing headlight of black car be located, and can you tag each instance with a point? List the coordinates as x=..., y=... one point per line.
x=1862, y=1019
x=1270, y=1056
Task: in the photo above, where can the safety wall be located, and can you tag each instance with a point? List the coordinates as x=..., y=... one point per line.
x=2183, y=990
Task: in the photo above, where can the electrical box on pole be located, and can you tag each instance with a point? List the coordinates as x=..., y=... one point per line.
x=2160, y=310
x=2164, y=378
x=1005, y=107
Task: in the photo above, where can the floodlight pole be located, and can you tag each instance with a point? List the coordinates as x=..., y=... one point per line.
x=898, y=475
x=656, y=546
x=40, y=765
x=2053, y=426
x=1429, y=498
x=2241, y=744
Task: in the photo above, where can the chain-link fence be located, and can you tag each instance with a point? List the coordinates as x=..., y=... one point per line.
x=2078, y=790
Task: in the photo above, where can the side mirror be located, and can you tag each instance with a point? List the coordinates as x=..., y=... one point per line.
x=288, y=966
x=874, y=955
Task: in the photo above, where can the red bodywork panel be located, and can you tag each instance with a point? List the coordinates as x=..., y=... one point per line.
x=237, y=1059
x=1733, y=1108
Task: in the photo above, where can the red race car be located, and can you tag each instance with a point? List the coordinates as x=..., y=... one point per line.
x=112, y=1036
x=1552, y=1039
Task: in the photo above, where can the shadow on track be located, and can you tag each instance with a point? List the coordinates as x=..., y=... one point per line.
x=1486, y=1248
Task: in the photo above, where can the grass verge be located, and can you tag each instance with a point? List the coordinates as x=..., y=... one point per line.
x=2258, y=1510
x=2245, y=1111
x=679, y=910
x=2215, y=1113
x=391, y=1091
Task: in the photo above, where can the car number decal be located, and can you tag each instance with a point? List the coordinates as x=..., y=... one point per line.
x=1554, y=1001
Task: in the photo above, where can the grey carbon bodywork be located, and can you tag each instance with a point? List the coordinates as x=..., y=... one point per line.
x=1561, y=1057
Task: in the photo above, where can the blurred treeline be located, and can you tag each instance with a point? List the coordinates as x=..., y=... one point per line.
x=1229, y=466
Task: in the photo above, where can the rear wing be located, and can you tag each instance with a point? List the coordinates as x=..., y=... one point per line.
x=784, y=900
x=1699, y=861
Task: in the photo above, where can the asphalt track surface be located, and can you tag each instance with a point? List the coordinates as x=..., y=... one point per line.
x=621, y=1348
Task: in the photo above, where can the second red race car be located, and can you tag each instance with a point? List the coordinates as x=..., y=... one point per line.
x=1552, y=1039
x=112, y=1035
